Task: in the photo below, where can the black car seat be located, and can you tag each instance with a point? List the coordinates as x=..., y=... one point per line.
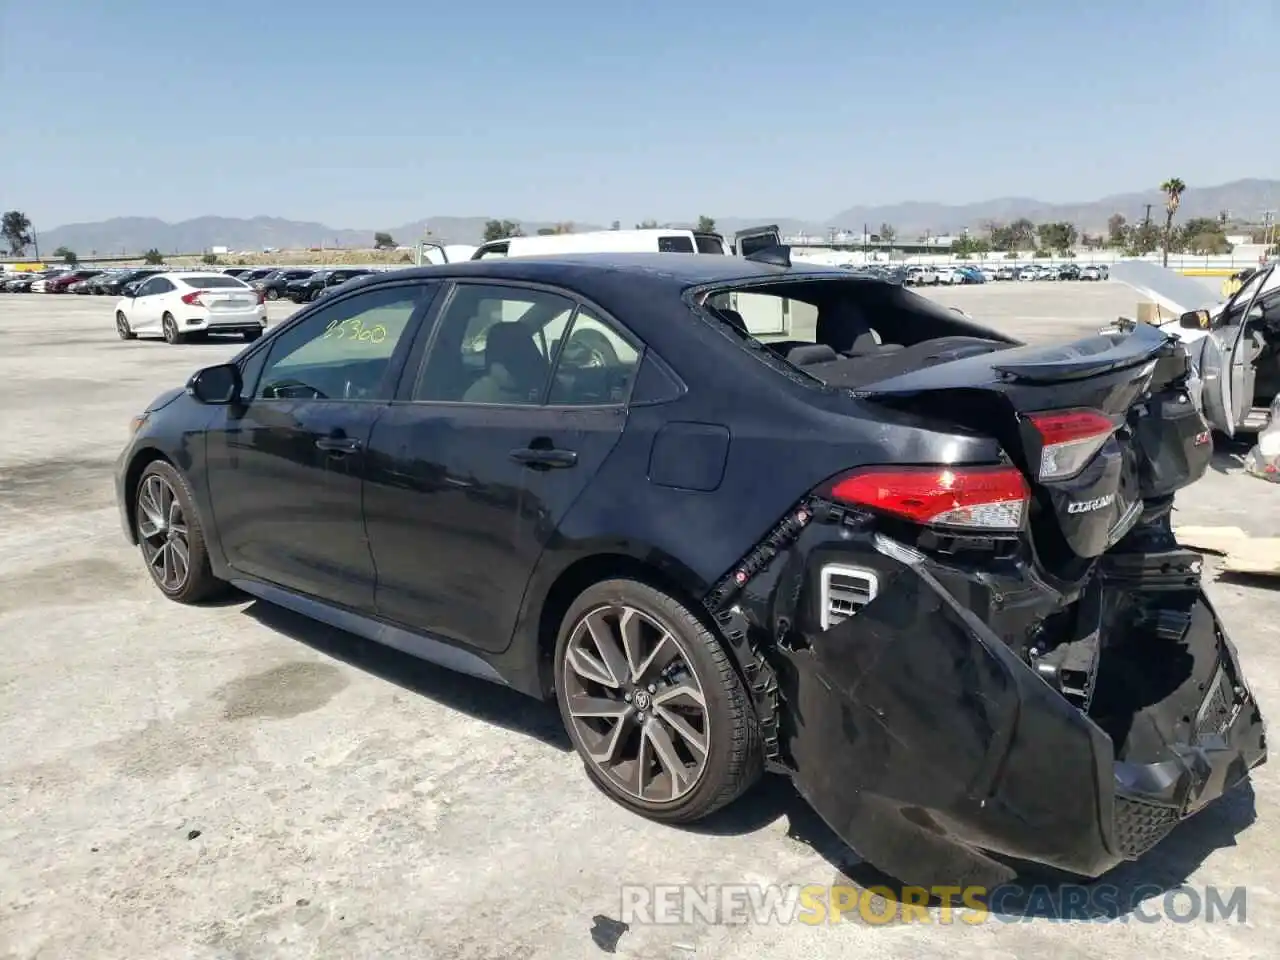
x=807, y=353
x=515, y=370
x=845, y=329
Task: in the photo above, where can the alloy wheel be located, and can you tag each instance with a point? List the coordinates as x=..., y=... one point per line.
x=636, y=704
x=122, y=326
x=163, y=533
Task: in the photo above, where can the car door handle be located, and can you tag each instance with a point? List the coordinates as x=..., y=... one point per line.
x=338, y=445
x=544, y=457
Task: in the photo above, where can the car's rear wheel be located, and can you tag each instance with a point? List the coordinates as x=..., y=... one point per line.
x=653, y=704
x=170, y=535
x=273, y=294
x=170, y=327
x=123, y=330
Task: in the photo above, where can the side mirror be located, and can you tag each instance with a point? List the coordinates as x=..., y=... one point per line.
x=1194, y=320
x=219, y=385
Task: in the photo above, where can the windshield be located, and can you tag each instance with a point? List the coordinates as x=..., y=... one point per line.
x=1249, y=289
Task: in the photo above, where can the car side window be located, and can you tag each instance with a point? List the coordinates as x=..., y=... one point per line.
x=596, y=364
x=490, y=346
x=145, y=289
x=162, y=286
x=342, y=351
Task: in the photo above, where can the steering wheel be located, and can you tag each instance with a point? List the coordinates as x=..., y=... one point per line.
x=590, y=348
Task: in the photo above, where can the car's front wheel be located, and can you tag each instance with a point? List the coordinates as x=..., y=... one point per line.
x=123, y=331
x=170, y=536
x=273, y=294
x=653, y=704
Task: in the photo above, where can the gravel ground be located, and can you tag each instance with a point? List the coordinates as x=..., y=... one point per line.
x=235, y=782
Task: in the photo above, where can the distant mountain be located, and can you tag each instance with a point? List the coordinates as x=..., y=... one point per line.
x=1244, y=199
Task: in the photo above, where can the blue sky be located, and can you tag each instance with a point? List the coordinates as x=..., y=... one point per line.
x=376, y=114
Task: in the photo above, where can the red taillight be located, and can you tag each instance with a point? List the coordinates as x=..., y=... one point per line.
x=980, y=498
x=193, y=299
x=262, y=296
x=1070, y=439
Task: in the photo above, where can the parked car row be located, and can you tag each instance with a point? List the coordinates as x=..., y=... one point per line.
x=299, y=284
x=85, y=281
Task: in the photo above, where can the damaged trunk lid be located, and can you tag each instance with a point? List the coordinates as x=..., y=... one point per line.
x=1098, y=426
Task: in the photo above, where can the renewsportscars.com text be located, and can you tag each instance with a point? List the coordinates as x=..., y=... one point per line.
x=816, y=904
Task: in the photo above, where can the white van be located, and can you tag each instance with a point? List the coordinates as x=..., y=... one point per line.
x=764, y=315
x=646, y=240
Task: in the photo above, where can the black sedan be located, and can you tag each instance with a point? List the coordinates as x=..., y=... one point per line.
x=113, y=284
x=921, y=568
x=275, y=285
x=313, y=287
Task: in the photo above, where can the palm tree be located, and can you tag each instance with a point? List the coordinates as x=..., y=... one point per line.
x=1173, y=189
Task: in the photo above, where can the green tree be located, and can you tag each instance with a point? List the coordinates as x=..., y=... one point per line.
x=16, y=229
x=502, y=229
x=706, y=225
x=383, y=241
x=1173, y=189
x=1022, y=234
x=66, y=255
x=153, y=257
x=647, y=225
x=1117, y=230
x=1143, y=238
x=1059, y=236
x=616, y=225
x=209, y=258
x=887, y=233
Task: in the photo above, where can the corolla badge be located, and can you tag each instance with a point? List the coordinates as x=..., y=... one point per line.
x=1088, y=506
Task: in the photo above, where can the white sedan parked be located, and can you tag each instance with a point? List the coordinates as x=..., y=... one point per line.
x=176, y=305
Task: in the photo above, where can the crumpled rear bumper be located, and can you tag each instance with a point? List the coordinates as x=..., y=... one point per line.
x=926, y=742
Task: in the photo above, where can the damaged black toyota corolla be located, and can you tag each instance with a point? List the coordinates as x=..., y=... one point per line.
x=925, y=570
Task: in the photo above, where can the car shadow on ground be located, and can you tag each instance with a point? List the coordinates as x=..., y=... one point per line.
x=481, y=699
x=1036, y=893
x=1138, y=886
x=1229, y=454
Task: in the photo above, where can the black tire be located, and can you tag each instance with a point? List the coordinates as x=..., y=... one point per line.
x=251, y=335
x=199, y=583
x=315, y=295
x=170, y=327
x=733, y=757
x=273, y=293
x=123, y=330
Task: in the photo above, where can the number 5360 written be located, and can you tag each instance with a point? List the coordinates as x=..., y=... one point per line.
x=354, y=329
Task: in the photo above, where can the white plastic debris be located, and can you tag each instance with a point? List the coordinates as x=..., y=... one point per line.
x=1264, y=459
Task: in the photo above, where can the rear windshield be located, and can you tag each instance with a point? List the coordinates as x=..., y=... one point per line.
x=213, y=283
x=845, y=331
x=675, y=244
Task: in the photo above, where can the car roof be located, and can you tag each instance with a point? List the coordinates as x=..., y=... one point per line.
x=584, y=271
